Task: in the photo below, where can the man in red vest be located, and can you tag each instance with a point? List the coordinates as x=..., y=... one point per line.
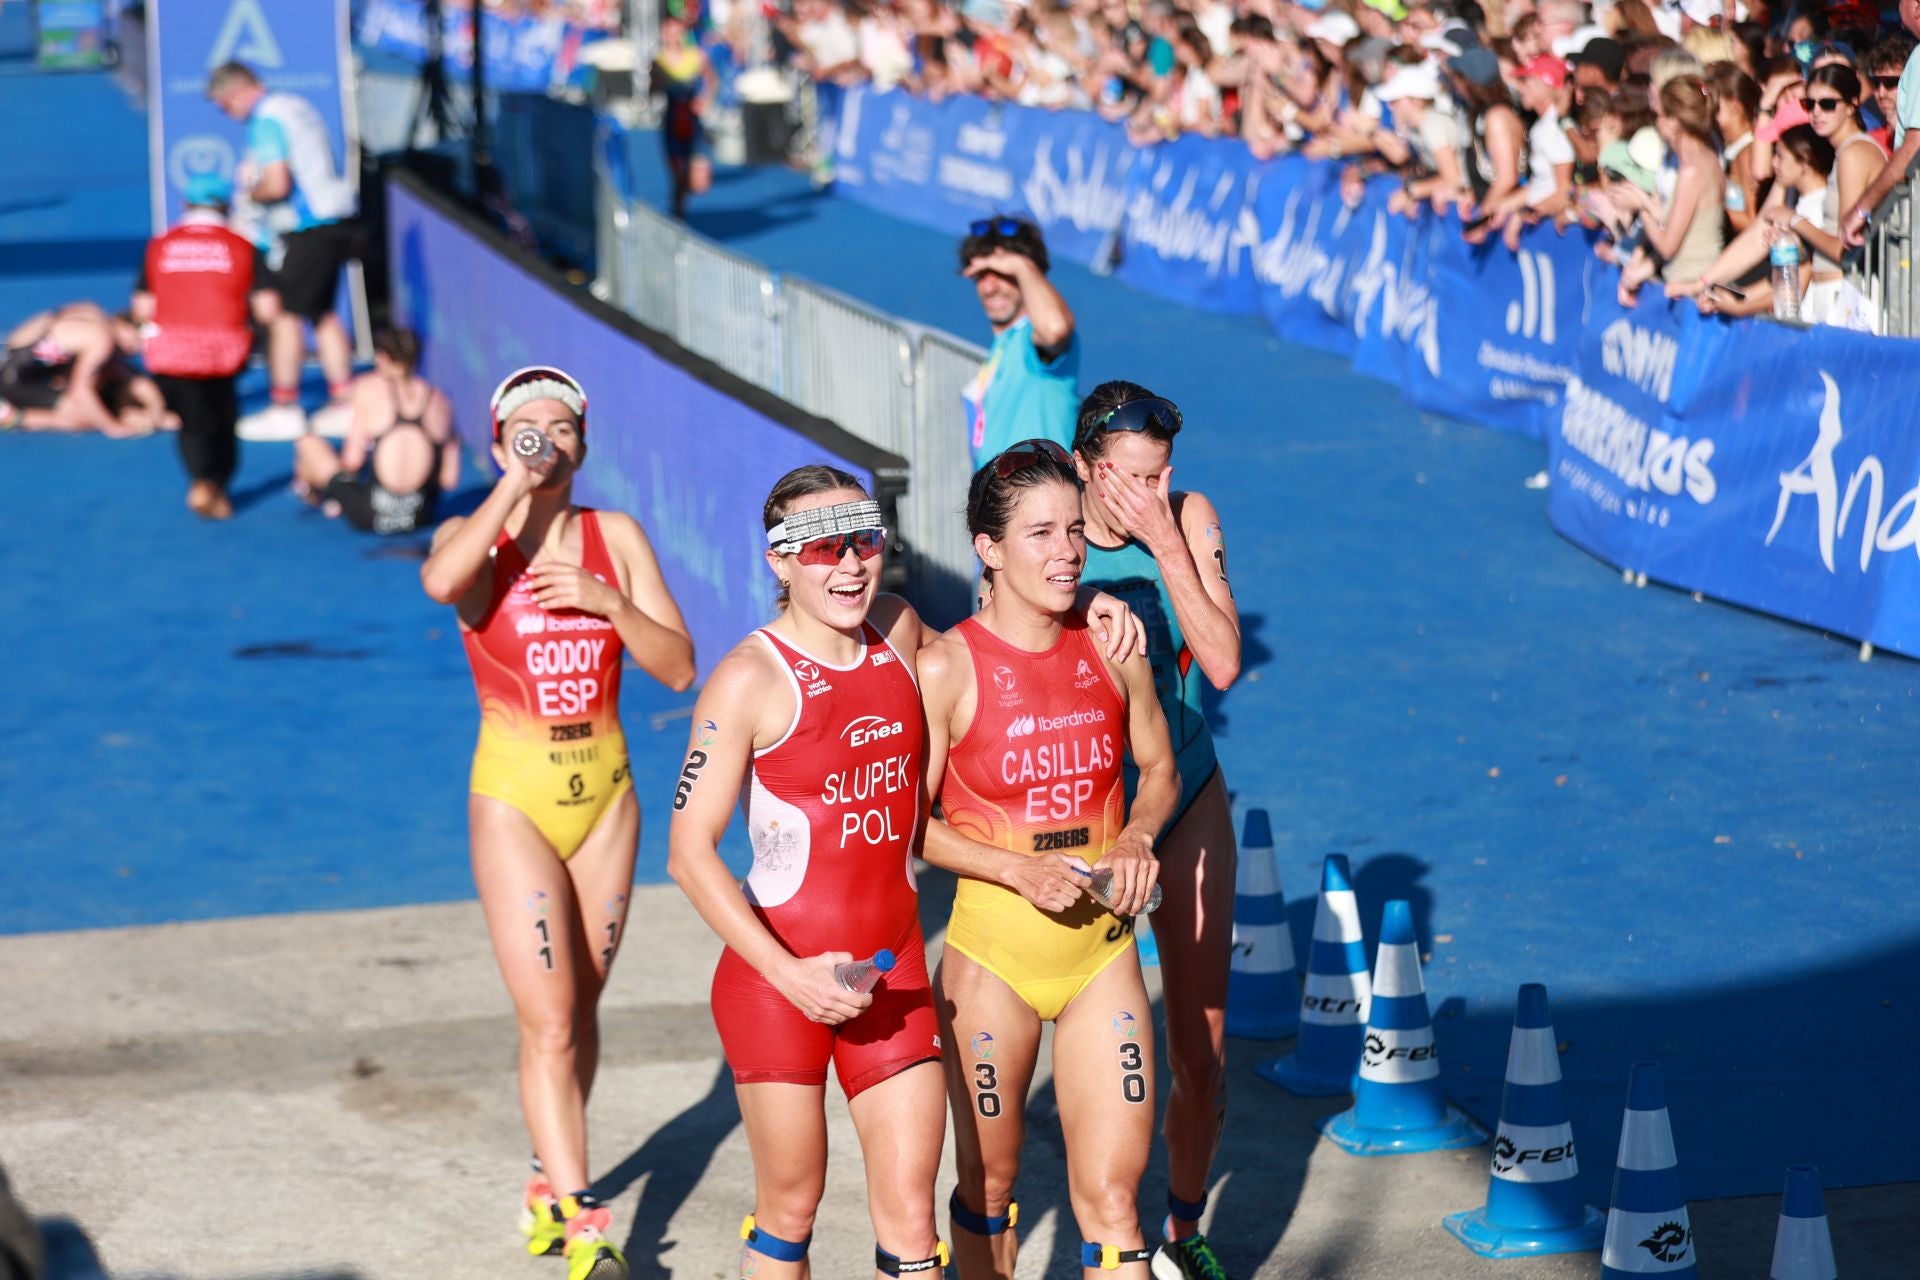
x=193, y=298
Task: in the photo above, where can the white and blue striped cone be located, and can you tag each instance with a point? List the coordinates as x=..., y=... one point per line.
x=1532, y=1205
x=1263, y=991
x=1333, y=1008
x=1398, y=1107
x=1802, y=1245
x=1648, y=1233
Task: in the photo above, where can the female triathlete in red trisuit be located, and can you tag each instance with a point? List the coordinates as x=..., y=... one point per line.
x=1027, y=723
x=812, y=726
x=548, y=593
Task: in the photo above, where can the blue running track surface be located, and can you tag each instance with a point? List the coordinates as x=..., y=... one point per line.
x=1695, y=824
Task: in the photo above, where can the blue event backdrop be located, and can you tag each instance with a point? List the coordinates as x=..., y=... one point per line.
x=296, y=46
x=523, y=54
x=1750, y=461
x=687, y=460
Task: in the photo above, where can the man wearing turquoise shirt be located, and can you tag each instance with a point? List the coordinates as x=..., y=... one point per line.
x=1028, y=387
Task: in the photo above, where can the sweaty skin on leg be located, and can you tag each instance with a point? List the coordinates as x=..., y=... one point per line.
x=993, y=1042
x=1103, y=1073
x=787, y=1132
x=901, y=1128
x=1194, y=927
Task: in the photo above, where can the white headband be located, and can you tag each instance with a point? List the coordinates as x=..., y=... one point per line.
x=525, y=393
x=820, y=522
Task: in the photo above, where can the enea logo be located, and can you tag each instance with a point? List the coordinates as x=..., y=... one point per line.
x=246, y=37
x=1531, y=316
x=1019, y=727
x=869, y=729
x=1003, y=679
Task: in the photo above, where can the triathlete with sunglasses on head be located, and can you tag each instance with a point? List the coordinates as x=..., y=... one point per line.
x=812, y=725
x=1029, y=385
x=1027, y=722
x=1164, y=553
x=548, y=594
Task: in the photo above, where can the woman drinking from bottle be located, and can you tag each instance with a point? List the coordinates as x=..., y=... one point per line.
x=1164, y=553
x=1027, y=722
x=812, y=726
x=549, y=594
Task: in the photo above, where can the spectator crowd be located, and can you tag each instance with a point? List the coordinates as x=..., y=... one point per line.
x=1693, y=136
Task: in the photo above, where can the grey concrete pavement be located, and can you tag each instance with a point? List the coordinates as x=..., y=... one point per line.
x=333, y=1096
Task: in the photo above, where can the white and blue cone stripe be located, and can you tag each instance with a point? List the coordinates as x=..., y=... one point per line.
x=1532, y=1205
x=1333, y=1004
x=1263, y=993
x=1648, y=1231
x=1398, y=1106
x=1802, y=1242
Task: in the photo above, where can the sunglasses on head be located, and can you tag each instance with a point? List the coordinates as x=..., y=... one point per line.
x=832, y=549
x=995, y=227
x=1143, y=415
x=1823, y=104
x=1025, y=454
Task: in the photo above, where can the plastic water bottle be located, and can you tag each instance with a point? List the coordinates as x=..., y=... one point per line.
x=532, y=447
x=863, y=975
x=1100, y=885
x=1785, y=257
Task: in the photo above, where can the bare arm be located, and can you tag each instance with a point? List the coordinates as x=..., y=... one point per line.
x=1131, y=855
x=274, y=184
x=1047, y=312
x=462, y=548
x=1891, y=174
x=359, y=442
x=1191, y=552
x=742, y=702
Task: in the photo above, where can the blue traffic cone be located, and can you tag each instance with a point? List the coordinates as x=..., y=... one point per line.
x=1802, y=1245
x=1397, y=1106
x=1333, y=1010
x=1532, y=1205
x=1263, y=993
x=1647, y=1228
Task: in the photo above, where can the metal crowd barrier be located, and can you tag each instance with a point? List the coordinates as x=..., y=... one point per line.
x=1890, y=283
x=889, y=383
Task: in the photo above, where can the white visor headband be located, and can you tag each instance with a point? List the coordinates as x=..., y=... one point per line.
x=513, y=395
x=803, y=527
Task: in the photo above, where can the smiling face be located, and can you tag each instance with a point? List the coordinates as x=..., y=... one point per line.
x=999, y=297
x=1039, y=560
x=560, y=426
x=837, y=594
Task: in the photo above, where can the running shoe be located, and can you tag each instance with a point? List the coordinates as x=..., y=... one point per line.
x=275, y=422
x=1189, y=1259
x=540, y=1220
x=590, y=1255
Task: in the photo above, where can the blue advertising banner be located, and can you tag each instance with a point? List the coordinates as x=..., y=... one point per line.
x=680, y=455
x=295, y=46
x=1787, y=479
x=524, y=55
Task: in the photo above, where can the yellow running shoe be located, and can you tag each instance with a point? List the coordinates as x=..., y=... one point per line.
x=540, y=1220
x=590, y=1255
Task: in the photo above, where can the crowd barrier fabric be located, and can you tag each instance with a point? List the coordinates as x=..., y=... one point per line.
x=1757, y=463
x=684, y=447
x=523, y=54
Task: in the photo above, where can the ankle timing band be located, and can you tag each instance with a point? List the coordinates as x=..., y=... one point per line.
x=893, y=1266
x=1110, y=1257
x=772, y=1246
x=979, y=1223
x=1186, y=1210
